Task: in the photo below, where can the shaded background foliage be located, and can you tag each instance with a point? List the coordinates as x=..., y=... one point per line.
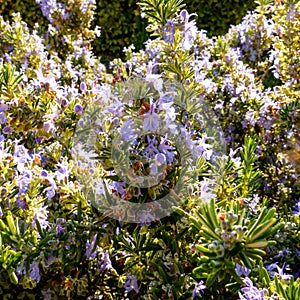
x=121, y=24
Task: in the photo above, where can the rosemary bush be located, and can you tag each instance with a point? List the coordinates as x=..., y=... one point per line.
x=209, y=125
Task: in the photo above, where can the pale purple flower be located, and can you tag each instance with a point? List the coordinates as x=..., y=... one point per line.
x=78, y=109
x=232, y=153
x=280, y=271
x=24, y=182
x=104, y=263
x=160, y=159
x=127, y=131
x=34, y=272
x=206, y=191
x=91, y=250
x=21, y=155
x=252, y=203
x=153, y=169
x=202, y=148
x=198, y=290
x=242, y=270
x=82, y=86
x=85, y=5
x=59, y=230
x=283, y=253
x=167, y=150
x=21, y=270
x=291, y=13
x=296, y=208
x=7, y=130
x=50, y=259
x=3, y=107
x=63, y=172
x=151, y=149
x=190, y=29
x=118, y=187
x=21, y=203
x=131, y=284
x=50, y=192
x=47, y=7
x=3, y=118
x=64, y=102
x=250, y=291
x=151, y=119
x=49, y=126
x=169, y=32
x=44, y=174
x=40, y=215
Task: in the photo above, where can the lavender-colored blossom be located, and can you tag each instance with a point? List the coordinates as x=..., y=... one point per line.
x=232, y=153
x=118, y=187
x=202, y=148
x=24, y=182
x=104, y=264
x=128, y=133
x=21, y=269
x=242, y=270
x=59, y=230
x=160, y=159
x=151, y=119
x=169, y=32
x=7, y=130
x=249, y=119
x=63, y=172
x=40, y=215
x=21, y=203
x=151, y=150
x=64, y=102
x=34, y=272
x=283, y=253
x=3, y=107
x=190, y=29
x=49, y=126
x=44, y=174
x=91, y=250
x=151, y=76
x=167, y=150
x=47, y=7
x=85, y=5
x=153, y=169
x=250, y=291
x=280, y=271
x=78, y=109
x=49, y=260
x=50, y=192
x=21, y=155
x=206, y=192
x=131, y=284
x=252, y=203
x=291, y=13
x=3, y=118
x=296, y=208
x=82, y=86
x=199, y=289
